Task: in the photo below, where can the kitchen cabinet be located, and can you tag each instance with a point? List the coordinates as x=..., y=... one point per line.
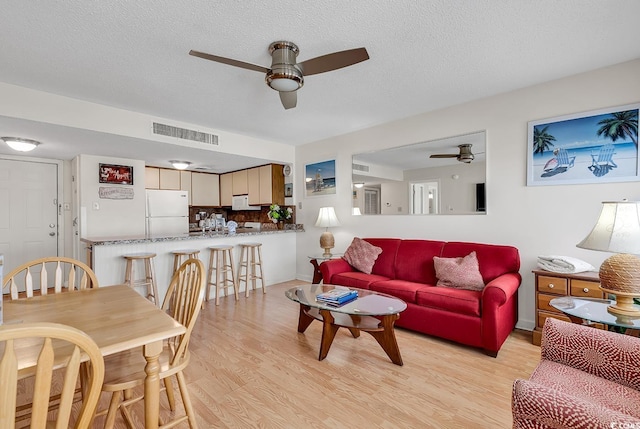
x=239, y=183
x=550, y=285
x=185, y=182
x=152, y=178
x=205, y=189
x=226, y=189
x=170, y=179
x=266, y=185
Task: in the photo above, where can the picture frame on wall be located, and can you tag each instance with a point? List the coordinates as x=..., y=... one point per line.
x=320, y=178
x=599, y=146
x=115, y=174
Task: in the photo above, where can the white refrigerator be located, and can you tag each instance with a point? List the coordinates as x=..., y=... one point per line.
x=167, y=212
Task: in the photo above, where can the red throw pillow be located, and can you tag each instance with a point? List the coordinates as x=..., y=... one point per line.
x=361, y=255
x=460, y=273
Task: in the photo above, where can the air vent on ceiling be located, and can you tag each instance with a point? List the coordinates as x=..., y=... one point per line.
x=183, y=133
x=360, y=167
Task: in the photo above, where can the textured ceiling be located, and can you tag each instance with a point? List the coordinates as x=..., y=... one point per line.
x=425, y=55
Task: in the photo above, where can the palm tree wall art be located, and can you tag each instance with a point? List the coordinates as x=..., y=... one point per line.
x=601, y=146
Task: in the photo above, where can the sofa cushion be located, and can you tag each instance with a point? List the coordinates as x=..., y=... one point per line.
x=460, y=301
x=402, y=289
x=587, y=387
x=362, y=255
x=460, y=273
x=356, y=279
x=414, y=261
x=494, y=260
x=385, y=264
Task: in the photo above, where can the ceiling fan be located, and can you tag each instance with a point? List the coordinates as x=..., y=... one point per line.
x=464, y=154
x=285, y=75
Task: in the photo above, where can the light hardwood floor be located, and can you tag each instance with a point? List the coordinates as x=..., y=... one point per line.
x=251, y=368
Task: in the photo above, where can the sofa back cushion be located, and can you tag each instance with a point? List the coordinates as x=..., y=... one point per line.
x=494, y=260
x=384, y=265
x=414, y=261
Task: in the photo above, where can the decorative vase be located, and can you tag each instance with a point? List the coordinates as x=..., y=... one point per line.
x=280, y=225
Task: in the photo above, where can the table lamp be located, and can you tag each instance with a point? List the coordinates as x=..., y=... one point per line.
x=618, y=230
x=327, y=218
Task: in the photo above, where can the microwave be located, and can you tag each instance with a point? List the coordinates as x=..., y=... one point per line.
x=241, y=202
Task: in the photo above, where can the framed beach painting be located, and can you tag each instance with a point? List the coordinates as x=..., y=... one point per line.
x=320, y=178
x=599, y=146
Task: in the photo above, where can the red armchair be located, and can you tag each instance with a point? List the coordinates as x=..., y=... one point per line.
x=587, y=378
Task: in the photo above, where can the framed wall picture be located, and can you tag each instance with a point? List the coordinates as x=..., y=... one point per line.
x=320, y=178
x=115, y=174
x=599, y=146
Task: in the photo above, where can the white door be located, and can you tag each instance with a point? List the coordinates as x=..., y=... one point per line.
x=28, y=211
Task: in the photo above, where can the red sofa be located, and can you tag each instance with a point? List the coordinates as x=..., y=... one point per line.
x=405, y=270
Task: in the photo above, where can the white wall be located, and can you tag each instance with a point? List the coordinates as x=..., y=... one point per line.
x=537, y=220
x=110, y=218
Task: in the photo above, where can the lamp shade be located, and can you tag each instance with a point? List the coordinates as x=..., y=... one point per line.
x=617, y=229
x=356, y=211
x=327, y=218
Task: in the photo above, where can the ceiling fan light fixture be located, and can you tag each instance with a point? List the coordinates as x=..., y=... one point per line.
x=180, y=165
x=20, y=144
x=285, y=79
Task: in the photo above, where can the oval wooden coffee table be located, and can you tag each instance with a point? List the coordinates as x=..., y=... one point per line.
x=372, y=312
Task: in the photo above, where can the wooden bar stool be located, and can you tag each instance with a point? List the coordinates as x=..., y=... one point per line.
x=251, y=265
x=178, y=257
x=149, y=280
x=221, y=261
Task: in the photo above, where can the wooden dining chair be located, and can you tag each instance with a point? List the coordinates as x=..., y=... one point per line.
x=125, y=371
x=57, y=273
x=56, y=347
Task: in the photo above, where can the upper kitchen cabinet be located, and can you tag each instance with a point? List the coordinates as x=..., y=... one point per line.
x=266, y=185
x=161, y=178
x=170, y=179
x=185, y=182
x=152, y=178
x=239, y=183
x=226, y=189
x=205, y=189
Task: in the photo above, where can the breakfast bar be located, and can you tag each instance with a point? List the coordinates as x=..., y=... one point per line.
x=105, y=254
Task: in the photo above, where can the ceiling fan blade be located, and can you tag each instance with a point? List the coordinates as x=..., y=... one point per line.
x=334, y=61
x=229, y=61
x=444, y=155
x=289, y=99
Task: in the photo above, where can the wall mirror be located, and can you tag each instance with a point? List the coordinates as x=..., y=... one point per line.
x=439, y=177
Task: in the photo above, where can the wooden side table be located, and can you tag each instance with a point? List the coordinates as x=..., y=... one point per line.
x=317, y=274
x=550, y=285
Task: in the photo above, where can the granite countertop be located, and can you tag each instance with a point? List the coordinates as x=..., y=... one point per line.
x=98, y=241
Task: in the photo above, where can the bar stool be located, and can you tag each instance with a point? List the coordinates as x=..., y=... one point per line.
x=221, y=261
x=149, y=280
x=178, y=257
x=251, y=264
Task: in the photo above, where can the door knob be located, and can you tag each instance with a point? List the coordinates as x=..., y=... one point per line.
x=52, y=225
x=52, y=233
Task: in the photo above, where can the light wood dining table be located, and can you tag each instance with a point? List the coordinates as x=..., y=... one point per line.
x=116, y=317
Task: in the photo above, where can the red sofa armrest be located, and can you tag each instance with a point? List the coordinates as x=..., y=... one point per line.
x=333, y=267
x=535, y=405
x=500, y=290
x=499, y=310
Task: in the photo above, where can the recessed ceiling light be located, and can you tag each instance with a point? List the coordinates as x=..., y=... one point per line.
x=180, y=165
x=19, y=144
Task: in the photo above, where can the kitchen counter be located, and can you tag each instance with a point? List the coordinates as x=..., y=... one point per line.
x=135, y=239
x=105, y=254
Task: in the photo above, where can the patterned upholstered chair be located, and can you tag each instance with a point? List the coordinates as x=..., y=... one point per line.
x=587, y=378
